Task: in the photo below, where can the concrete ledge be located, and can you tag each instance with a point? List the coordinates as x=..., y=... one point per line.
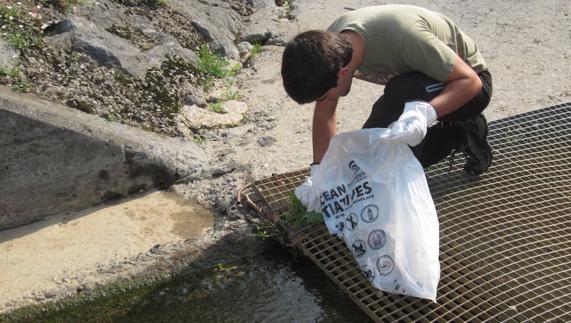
x=55, y=159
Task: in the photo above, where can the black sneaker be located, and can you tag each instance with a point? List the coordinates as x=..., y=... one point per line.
x=474, y=144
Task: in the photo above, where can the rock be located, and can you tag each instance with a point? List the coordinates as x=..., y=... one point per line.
x=266, y=141
x=259, y=4
x=244, y=49
x=215, y=20
x=105, y=13
x=169, y=46
x=8, y=55
x=277, y=40
x=220, y=91
x=195, y=118
x=195, y=96
x=262, y=26
x=105, y=48
x=88, y=34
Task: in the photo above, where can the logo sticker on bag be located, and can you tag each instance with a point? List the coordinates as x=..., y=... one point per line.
x=368, y=273
x=351, y=221
x=370, y=213
x=385, y=265
x=377, y=239
x=359, y=248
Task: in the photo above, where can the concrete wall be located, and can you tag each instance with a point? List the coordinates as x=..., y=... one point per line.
x=54, y=159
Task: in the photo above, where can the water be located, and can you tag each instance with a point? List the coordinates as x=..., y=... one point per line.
x=271, y=287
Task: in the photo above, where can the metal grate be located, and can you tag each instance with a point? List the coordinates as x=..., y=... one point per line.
x=505, y=246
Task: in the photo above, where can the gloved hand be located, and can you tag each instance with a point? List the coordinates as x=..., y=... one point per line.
x=412, y=125
x=306, y=193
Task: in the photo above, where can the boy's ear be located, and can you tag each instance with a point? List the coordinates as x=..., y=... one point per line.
x=344, y=71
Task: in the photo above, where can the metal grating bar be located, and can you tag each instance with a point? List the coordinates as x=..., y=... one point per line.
x=505, y=237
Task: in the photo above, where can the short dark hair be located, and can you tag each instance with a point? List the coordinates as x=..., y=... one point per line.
x=311, y=61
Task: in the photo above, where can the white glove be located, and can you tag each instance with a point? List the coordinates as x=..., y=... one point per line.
x=307, y=194
x=412, y=125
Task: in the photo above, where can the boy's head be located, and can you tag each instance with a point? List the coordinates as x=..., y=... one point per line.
x=311, y=62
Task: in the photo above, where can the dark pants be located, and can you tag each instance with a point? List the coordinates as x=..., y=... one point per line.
x=441, y=138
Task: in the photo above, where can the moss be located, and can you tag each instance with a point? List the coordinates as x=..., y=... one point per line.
x=115, y=298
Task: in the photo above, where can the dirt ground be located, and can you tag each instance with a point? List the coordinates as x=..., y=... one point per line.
x=527, y=47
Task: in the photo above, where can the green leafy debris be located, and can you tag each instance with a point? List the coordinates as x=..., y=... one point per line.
x=298, y=216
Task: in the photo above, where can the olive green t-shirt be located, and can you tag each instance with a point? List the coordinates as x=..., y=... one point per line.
x=404, y=38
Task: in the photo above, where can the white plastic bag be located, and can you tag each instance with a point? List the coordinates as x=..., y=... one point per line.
x=374, y=195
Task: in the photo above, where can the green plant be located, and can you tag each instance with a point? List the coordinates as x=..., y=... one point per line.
x=112, y=116
x=220, y=267
x=122, y=78
x=20, y=27
x=216, y=107
x=231, y=95
x=14, y=72
x=262, y=234
x=16, y=78
x=18, y=40
x=214, y=65
x=298, y=216
x=198, y=139
x=22, y=86
x=255, y=50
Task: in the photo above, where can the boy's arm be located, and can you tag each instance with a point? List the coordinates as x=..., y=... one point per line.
x=324, y=127
x=460, y=87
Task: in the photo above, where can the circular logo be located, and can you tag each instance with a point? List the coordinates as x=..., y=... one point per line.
x=385, y=265
x=377, y=239
x=351, y=221
x=370, y=213
x=359, y=248
x=368, y=273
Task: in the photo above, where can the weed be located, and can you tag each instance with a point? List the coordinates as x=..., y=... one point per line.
x=14, y=72
x=231, y=95
x=298, y=216
x=22, y=86
x=18, y=40
x=262, y=234
x=122, y=78
x=112, y=116
x=214, y=65
x=255, y=50
x=216, y=107
x=19, y=27
x=223, y=268
x=198, y=139
x=16, y=78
